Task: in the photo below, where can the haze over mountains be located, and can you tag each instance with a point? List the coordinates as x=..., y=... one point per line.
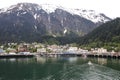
x=35, y=21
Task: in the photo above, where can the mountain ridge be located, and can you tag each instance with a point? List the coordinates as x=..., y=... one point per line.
x=108, y=34
x=49, y=8
x=32, y=21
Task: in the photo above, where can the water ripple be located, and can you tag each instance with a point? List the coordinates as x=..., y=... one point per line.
x=85, y=72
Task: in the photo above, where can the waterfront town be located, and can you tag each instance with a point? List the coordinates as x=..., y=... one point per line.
x=34, y=48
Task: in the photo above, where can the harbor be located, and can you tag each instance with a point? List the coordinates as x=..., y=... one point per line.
x=32, y=50
x=31, y=55
x=81, y=55
x=17, y=56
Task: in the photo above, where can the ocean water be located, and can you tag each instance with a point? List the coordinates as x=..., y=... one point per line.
x=62, y=68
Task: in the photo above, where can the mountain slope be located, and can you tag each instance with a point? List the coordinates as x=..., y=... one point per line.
x=106, y=33
x=33, y=21
x=49, y=8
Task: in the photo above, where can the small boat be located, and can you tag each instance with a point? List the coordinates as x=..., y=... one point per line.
x=89, y=63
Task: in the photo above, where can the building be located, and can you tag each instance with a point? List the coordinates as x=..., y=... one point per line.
x=41, y=50
x=11, y=50
x=99, y=50
x=53, y=48
x=83, y=51
x=22, y=48
x=2, y=51
x=72, y=50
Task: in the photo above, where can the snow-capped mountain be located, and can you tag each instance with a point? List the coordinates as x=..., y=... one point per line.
x=49, y=8
x=28, y=19
x=88, y=14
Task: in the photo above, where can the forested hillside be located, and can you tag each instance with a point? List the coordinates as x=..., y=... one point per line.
x=105, y=35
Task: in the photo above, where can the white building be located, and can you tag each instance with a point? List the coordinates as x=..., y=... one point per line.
x=99, y=50
x=24, y=53
x=41, y=50
x=12, y=53
x=2, y=51
x=72, y=50
x=102, y=50
x=82, y=51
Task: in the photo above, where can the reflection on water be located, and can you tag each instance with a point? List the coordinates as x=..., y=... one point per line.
x=62, y=68
x=72, y=59
x=102, y=61
x=41, y=60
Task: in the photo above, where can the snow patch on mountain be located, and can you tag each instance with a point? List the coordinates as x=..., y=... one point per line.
x=88, y=14
x=65, y=31
x=3, y=10
x=35, y=27
x=35, y=16
x=49, y=8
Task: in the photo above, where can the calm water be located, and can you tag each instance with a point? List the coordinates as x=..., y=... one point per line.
x=70, y=68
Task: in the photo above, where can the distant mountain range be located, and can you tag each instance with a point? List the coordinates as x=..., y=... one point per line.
x=30, y=22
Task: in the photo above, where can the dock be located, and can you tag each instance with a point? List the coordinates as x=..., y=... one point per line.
x=81, y=55
x=104, y=56
x=17, y=56
x=60, y=55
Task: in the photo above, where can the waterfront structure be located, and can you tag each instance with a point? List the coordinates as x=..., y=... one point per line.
x=24, y=53
x=99, y=50
x=11, y=50
x=41, y=50
x=22, y=48
x=83, y=51
x=72, y=50
x=12, y=53
x=2, y=52
x=55, y=49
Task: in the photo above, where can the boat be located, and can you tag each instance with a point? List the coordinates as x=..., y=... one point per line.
x=89, y=63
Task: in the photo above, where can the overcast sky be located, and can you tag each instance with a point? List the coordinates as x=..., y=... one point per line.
x=109, y=7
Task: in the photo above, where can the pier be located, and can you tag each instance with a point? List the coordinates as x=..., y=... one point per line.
x=60, y=55
x=81, y=55
x=17, y=56
x=104, y=56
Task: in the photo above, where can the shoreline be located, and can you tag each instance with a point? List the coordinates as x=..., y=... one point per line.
x=61, y=55
x=16, y=56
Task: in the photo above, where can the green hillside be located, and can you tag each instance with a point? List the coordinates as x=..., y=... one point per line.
x=106, y=35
